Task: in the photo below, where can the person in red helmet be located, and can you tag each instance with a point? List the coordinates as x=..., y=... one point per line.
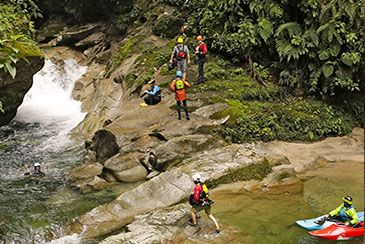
x=201, y=51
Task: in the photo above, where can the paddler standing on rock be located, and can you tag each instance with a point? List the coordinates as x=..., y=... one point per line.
x=178, y=86
x=200, y=201
x=346, y=212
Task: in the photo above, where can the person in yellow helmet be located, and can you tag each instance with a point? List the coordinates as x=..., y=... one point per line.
x=346, y=212
x=182, y=56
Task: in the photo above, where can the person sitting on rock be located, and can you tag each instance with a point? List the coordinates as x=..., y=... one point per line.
x=178, y=85
x=37, y=170
x=346, y=212
x=200, y=201
x=153, y=95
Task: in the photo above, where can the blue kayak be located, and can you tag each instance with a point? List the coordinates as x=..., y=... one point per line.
x=310, y=225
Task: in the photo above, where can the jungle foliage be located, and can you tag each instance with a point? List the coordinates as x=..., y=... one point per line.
x=17, y=33
x=316, y=45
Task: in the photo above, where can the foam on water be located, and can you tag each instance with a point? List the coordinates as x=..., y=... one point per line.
x=49, y=101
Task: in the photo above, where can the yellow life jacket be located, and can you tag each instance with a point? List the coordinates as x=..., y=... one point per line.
x=179, y=84
x=205, y=192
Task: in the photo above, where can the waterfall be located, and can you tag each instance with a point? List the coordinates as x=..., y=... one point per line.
x=49, y=102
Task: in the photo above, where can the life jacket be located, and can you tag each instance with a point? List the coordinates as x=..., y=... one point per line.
x=343, y=213
x=181, y=54
x=205, y=192
x=179, y=84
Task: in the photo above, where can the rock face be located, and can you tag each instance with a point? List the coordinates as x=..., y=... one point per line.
x=104, y=144
x=12, y=91
x=162, y=191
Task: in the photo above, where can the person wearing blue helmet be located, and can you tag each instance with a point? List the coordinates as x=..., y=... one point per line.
x=178, y=86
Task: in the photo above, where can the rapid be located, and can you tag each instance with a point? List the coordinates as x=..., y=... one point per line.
x=32, y=209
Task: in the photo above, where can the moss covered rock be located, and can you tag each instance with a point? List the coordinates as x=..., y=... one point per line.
x=12, y=91
x=167, y=25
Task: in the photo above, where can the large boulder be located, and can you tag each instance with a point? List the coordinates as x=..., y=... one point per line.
x=84, y=171
x=127, y=167
x=164, y=190
x=104, y=143
x=180, y=147
x=12, y=91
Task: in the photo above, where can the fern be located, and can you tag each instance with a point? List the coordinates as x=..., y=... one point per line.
x=293, y=28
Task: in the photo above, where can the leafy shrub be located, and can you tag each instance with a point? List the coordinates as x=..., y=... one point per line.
x=296, y=121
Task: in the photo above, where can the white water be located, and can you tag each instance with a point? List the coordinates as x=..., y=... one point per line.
x=49, y=102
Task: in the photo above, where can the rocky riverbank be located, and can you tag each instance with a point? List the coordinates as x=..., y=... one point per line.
x=126, y=143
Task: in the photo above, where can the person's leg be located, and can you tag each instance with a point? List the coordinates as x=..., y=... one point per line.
x=178, y=103
x=148, y=99
x=193, y=215
x=184, y=68
x=155, y=99
x=201, y=72
x=208, y=211
x=186, y=109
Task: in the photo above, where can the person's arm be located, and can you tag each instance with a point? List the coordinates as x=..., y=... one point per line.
x=26, y=169
x=155, y=90
x=187, y=49
x=336, y=211
x=187, y=85
x=173, y=85
x=205, y=49
x=352, y=213
x=172, y=55
x=48, y=169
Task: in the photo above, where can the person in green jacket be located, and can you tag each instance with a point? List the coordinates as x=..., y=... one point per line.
x=345, y=212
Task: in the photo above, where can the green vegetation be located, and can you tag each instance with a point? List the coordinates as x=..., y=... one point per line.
x=17, y=33
x=252, y=172
x=315, y=45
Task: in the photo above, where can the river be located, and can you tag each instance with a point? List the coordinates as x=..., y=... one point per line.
x=32, y=210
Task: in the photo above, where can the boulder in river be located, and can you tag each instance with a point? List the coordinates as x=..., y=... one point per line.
x=104, y=144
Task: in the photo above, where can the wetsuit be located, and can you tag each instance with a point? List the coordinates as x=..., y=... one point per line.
x=36, y=173
x=180, y=95
x=154, y=96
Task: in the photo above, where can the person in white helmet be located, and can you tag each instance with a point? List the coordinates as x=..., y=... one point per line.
x=200, y=201
x=37, y=170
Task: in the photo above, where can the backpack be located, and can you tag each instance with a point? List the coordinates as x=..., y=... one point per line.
x=181, y=54
x=205, y=192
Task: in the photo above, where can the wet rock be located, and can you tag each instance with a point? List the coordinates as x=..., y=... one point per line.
x=90, y=184
x=50, y=31
x=91, y=40
x=127, y=167
x=72, y=36
x=180, y=147
x=156, y=227
x=109, y=177
x=164, y=190
x=105, y=145
x=12, y=91
x=84, y=171
x=209, y=110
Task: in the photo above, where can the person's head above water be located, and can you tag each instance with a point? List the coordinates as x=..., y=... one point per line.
x=37, y=166
x=347, y=200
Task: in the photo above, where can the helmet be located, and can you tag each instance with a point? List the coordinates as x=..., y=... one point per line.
x=180, y=40
x=196, y=177
x=199, y=38
x=152, y=81
x=347, y=200
x=179, y=74
x=37, y=165
x=170, y=66
x=183, y=28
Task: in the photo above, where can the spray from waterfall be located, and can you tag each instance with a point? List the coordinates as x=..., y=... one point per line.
x=49, y=102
